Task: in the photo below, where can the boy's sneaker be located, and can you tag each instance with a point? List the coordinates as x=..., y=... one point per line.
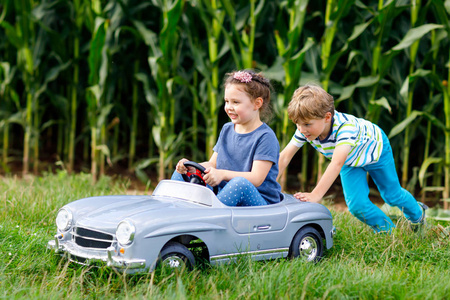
x=415, y=226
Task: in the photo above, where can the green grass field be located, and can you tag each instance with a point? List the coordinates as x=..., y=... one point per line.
x=361, y=265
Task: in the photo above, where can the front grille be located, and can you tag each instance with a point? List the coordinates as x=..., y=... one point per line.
x=89, y=238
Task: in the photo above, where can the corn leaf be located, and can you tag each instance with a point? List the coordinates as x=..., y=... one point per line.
x=414, y=35
x=424, y=167
x=95, y=51
x=383, y=102
x=347, y=91
x=149, y=94
x=406, y=122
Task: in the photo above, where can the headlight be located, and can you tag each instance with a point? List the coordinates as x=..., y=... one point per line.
x=125, y=232
x=64, y=219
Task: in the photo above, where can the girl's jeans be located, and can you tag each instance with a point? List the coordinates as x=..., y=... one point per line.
x=384, y=174
x=237, y=192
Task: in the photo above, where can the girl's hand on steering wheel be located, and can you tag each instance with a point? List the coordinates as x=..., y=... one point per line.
x=181, y=167
x=213, y=176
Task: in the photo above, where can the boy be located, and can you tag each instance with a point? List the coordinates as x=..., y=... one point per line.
x=355, y=147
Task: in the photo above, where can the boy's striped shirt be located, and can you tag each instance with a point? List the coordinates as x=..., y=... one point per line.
x=363, y=136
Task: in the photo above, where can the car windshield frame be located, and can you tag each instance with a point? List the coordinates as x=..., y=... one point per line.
x=190, y=192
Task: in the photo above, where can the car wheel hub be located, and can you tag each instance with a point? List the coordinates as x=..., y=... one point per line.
x=173, y=262
x=308, y=248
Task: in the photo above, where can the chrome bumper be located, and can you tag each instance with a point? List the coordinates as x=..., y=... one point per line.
x=333, y=231
x=86, y=256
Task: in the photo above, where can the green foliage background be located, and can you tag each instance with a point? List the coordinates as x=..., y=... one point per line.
x=138, y=83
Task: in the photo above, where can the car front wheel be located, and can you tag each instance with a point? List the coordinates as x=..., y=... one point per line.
x=176, y=256
x=307, y=245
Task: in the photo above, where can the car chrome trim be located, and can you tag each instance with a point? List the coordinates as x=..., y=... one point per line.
x=95, y=230
x=123, y=263
x=184, y=228
x=283, y=251
x=193, y=193
x=311, y=217
x=86, y=253
x=88, y=257
x=90, y=238
x=52, y=245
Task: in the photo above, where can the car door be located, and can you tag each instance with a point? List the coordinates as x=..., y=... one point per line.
x=256, y=227
x=258, y=219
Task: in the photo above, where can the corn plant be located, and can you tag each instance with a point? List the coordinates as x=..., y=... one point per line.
x=207, y=63
x=442, y=11
x=22, y=35
x=287, y=69
x=381, y=65
x=29, y=35
x=335, y=11
x=96, y=112
x=6, y=75
x=242, y=32
x=415, y=6
x=411, y=37
x=432, y=158
x=380, y=26
x=79, y=7
x=163, y=59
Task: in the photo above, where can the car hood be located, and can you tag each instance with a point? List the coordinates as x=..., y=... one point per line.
x=137, y=209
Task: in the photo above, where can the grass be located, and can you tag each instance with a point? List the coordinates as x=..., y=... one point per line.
x=403, y=265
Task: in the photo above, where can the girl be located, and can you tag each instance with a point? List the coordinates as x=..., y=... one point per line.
x=246, y=154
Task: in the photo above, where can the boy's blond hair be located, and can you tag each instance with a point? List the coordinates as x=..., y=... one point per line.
x=310, y=102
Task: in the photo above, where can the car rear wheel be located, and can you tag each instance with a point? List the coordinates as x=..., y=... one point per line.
x=307, y=245
x=176, y=256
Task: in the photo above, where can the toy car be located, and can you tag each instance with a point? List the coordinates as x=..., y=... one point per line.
x=137, y=233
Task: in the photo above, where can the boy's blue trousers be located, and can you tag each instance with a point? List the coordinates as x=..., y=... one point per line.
x=356, y=191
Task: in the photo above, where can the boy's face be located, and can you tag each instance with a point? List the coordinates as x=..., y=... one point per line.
x=315, y=128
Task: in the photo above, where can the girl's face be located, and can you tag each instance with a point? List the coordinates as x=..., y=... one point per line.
x=239, y=106
x=315, y=128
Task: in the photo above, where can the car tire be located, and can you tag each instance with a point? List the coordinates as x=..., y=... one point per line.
x=307, y=245
x=176, y=256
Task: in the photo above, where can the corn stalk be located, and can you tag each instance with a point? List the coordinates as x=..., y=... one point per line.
x=335, y=11
x=446, y=196
x=134, y=119
x=287, y=69
x=22, y=36
x=79, y=7
x=163, y=60
x=442, y=11
x=242, y=33
x=411, y=37
x=432, y=105
x=6, y=93
x=207, y=61
x=415, y=5
x=379, y=26
x=95, y=92
x=29, y=36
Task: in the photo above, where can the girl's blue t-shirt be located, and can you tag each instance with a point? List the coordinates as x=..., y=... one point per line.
x=236, y=152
